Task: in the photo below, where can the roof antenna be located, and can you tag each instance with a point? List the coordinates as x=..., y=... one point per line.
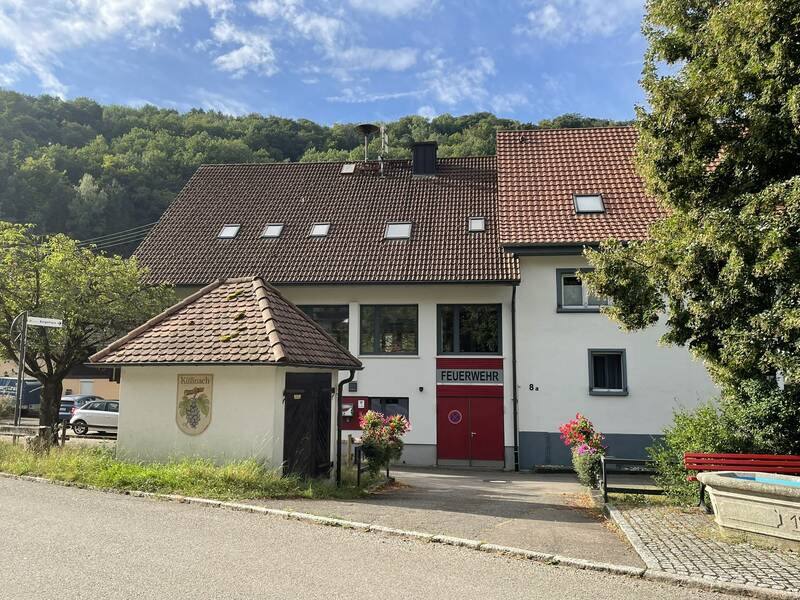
x=367, y=129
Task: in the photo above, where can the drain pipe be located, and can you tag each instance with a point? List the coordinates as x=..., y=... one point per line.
x=339, y=392
x=515, y=395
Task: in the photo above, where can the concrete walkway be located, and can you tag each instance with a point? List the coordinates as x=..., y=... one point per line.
x=541, y=512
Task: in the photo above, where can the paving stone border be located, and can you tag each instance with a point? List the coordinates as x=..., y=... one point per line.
x=520, y=553
x=656, y=571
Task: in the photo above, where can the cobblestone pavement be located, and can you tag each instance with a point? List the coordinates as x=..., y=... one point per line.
x=686, y=542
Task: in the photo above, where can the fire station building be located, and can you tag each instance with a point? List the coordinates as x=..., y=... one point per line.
x=452, y=280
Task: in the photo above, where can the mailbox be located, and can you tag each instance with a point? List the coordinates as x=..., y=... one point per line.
x=353, y=408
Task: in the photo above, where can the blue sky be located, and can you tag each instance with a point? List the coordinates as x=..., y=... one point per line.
x=331, y=60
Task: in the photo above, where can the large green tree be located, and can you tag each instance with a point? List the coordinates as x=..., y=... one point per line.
x=720, y=147
x=98, y=297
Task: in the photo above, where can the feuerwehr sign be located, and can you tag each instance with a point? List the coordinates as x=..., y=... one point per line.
x=469, y=376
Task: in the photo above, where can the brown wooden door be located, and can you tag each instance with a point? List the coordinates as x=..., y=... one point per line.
x=307, y=424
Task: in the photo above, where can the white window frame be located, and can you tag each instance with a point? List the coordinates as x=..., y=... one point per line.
x=229, y=231
x=585, y=306
x=388, y=234
x=264, y=233
x=473, y=224
x=576, y=198
x=319, y=229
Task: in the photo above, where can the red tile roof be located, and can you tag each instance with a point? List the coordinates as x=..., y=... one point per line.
x=183, y=248
x=539, y=171
x=238, y=321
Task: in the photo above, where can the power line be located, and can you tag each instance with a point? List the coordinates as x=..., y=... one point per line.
x=141, y=229
x=113, y=236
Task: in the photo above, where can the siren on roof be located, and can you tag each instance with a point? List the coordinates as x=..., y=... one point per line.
x=367, y=129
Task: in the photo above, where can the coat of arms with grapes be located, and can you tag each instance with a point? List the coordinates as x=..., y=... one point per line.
x=194, y=409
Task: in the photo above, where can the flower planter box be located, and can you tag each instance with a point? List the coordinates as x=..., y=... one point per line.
x=764, y=504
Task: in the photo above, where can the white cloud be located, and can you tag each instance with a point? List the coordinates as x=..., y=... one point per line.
x=452, y=83
x=254, y=52
x=507, y=103
x=358, y=95
x=566, y=20
x=333, y=37
x=427, y=111
x=221, y=103
x=38, y=33
x=392, y=8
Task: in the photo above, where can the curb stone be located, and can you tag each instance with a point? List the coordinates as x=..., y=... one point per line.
x=540, y=557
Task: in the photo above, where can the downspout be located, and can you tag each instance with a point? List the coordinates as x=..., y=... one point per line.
x=514, y=396
x=339, y=392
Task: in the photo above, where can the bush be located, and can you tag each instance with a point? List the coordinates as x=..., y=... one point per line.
x=708, y=428
x=587, y=448
x=586, y=462
x=381, y=439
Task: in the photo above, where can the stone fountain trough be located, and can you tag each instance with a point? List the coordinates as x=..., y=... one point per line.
x=763, y=504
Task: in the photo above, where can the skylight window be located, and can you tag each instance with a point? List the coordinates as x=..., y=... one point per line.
x=397, y=231
x=477, y=224
x=228, y=231
x=320, y=229
x=348, y=168
x=588, y=203
x=272, y=230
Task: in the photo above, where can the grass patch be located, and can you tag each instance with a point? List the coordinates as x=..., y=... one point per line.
x=644, y=500
x=238, y=480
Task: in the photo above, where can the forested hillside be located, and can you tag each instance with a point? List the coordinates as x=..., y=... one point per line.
x=89, y=170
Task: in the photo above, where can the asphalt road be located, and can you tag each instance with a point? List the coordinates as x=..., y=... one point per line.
x=58, y=542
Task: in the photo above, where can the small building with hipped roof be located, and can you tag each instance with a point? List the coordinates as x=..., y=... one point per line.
x=233, y=371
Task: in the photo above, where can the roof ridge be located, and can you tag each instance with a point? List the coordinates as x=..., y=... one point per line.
x=347, y=162
x=275, y=342
x=190, y=299
x=548, y=129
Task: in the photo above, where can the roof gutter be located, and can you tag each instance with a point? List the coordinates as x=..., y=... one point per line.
x=338, y=417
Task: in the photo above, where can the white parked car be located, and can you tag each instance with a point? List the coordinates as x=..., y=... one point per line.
x=98, y=415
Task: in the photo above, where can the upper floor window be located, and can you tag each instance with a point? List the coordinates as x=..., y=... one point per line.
x=588, y=203
x=477, y=224
x=320, y=229
x=388, y=329
x=573, y=295
x=272, y=230
x=469, y=328
x=228, y=231
x=333, y=318
x=397, y=231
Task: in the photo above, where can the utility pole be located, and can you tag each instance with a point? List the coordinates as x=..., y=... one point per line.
x=23, y=340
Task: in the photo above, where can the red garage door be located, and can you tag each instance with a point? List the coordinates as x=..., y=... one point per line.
x=469, y=428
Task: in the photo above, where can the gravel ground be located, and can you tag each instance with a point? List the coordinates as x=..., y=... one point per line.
x=70, y=543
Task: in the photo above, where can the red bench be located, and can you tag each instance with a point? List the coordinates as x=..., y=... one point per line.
x=763, y=463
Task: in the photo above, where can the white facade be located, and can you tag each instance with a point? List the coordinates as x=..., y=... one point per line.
x=414, y=377
x=553, y=366
x=247, y=414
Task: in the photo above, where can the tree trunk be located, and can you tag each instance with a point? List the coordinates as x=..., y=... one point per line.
x=51, y=400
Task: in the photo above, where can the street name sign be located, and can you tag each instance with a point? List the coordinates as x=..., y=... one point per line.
x=45, y=322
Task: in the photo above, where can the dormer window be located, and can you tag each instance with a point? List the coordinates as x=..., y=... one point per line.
x=228, y=231
x=272, y=230
x=588, y=203
x=397, y=231
x=477, y=224
x=319, y=229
